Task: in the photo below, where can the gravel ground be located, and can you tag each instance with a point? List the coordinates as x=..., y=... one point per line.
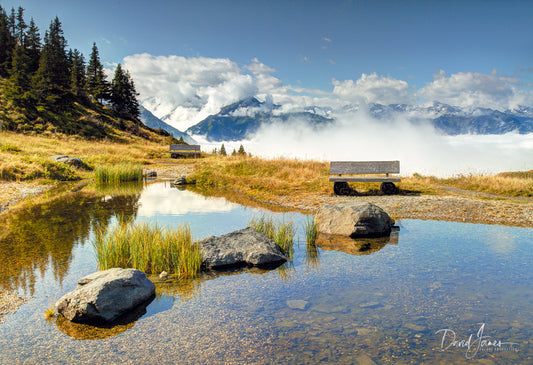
x=12, y=192
x=460, y=207
x=9, y=302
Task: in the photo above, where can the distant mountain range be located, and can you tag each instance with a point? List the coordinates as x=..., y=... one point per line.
x=454, y=121
x=152, y=121
x=241, y=120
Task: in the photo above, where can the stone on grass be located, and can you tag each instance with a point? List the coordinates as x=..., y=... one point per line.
x=354, y=220
x=105, y=296
x=71, y=161
x=240, y=248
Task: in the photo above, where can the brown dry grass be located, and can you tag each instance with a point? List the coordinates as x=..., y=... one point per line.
x=26, y=157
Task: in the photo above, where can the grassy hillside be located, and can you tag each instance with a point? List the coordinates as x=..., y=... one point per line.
x=91, y=132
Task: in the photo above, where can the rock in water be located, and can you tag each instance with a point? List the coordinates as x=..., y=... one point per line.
x=182, y=180
x=354, y=220
x=106, y=295
x=240, y=248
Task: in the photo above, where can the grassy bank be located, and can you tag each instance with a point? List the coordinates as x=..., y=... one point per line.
x=27, y=157
x=266, y=180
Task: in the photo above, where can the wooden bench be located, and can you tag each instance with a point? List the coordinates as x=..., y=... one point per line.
x=340, y=168
x=184, y=150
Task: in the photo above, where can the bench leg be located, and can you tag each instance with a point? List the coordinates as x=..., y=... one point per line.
x=342, y=188
x=389, y=188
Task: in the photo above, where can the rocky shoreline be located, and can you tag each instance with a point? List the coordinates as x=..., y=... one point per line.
x=14, y=191
x=457, y=205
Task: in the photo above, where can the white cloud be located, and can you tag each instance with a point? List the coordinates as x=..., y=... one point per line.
x=473, y=89
x=183, y=91
x=374, y=89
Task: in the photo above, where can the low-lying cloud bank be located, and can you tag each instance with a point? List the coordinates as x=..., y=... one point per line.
x=183, y=91
x=419, y=147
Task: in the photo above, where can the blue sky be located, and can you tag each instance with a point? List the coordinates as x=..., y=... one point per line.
x=308, y=43
x=190, y=58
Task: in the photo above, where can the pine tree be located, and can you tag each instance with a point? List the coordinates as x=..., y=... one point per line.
x=241, y=151
x=223, y=150
x=20, y=87
x=52, y=80
x=97, y=85
x=77, y=73
x=20, y=27
x=123, y=94
x=33, y=47
x=7, y=44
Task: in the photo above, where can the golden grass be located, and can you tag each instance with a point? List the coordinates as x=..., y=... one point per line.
x=26, y=157
x=266, y=180
x=263, y=179
x=118, y=173
x=149, y=248
x=507, y=184
x=281, y=232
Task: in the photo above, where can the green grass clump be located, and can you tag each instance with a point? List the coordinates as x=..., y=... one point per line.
x=280, y=232
x=311, y=230
x=149, y=248
x=118, y=173
x=9, y=148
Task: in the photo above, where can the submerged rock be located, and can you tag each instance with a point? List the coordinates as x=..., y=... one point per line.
x=354, y=220
x=240, y=248
x=297, y=304
x=105, y=296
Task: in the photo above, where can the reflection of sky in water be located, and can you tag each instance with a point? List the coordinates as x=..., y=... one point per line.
x=385, y=306
x=207, y=216
x=155, y=200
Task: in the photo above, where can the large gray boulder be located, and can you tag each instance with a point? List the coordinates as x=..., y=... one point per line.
x=354, y=220
x=240, y=248
x=106, y=295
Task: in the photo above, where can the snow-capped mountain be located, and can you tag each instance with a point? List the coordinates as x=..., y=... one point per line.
x=152, y=121
x=239, y=121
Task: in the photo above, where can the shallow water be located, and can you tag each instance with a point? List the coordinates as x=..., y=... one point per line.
x=382, y=301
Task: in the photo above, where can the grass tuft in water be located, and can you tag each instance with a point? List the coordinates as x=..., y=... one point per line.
x=118, y=173
x=311, y=230
x=50, y=312
x=149, y=248
x=280, y=232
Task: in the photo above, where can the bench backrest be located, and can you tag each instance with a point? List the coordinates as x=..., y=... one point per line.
x=185, y=147
x=364, y=167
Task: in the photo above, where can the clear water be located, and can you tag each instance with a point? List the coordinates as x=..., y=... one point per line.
x=371, y=302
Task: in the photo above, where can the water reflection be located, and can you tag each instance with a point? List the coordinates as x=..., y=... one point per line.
x=356, y=307
x=168, y=200
x=359, y=246
x=36, y=236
